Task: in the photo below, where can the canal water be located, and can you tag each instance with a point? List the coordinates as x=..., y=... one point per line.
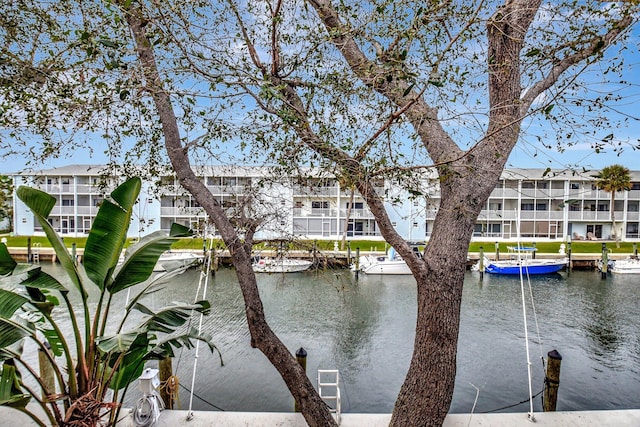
x=365, y=329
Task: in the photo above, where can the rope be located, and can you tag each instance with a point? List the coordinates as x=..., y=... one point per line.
x=515, y=404
x=202, y=398
x=205, y=274
x=526, y=331
x=171, y=387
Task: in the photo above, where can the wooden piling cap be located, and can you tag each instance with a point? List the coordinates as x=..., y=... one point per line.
x=553, y=354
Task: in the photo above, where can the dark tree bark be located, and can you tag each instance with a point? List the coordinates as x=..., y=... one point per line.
x=313, y=408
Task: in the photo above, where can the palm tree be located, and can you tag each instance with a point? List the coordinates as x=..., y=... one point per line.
x=612, y=179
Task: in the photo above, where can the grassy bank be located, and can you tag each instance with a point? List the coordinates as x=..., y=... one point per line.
x=364, y=245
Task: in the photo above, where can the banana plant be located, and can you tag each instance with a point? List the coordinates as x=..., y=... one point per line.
x=92, y=359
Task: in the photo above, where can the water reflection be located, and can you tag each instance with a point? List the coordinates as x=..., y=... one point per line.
x=366, y=329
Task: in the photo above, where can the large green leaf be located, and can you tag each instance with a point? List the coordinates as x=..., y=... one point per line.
x=179, y=230
x=40, y=280
x=10, y=302
x=10, y=388
x=119, y=343
x=169, y=318
x=7, y=264
x=109, y=232
x=11, y=332
x=139, y=261
x=41, y=204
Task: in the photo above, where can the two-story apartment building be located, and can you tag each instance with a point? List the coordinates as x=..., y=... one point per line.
x=525, y=203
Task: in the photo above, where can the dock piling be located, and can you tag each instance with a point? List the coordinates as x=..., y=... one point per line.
x=481, y=262
x=167, y=380
x=301, y=357
x=497, y=251
x=551, y=381
x=605, y=262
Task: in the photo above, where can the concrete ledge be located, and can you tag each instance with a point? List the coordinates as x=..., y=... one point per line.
x=622, y=418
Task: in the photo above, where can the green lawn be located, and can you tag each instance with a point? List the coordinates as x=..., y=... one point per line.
x=363, y=245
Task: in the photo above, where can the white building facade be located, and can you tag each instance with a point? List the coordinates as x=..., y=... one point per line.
x=526, y=203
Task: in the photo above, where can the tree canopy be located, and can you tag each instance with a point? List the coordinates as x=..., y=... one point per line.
x=365, y=90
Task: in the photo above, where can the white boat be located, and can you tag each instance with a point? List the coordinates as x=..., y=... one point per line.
x=625, y=266
x=521, y=261
x=383, y=264
x=280, y=265
x=172, y=260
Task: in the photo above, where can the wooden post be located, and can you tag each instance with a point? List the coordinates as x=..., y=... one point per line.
x=301, y=357
x=357, y=261
x=605, y=262
x=497, y=251
x=551, y=381
x=167, y=381
x=29, y=249
x=569, y=255
x=46, y=372
x=481, y=262
x=635, y=250
x=533, y=255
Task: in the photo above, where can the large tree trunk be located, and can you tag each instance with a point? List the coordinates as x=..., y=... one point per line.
x=426, y=394
x=313, y=408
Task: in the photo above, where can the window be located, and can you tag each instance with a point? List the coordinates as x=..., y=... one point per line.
x=635, y=185
x=67, y=202
x=633, y=207
x=298, y=205
x=357, y=205
x=283, y=202
x=575, y=186
x=527, y=184
x=526, y=206
x=574, y=207
x=320, y=205
x=495, y=206
x=543, y=185
x=415, y=225
x=603, y=207
x=541, y=207
x=65, y=181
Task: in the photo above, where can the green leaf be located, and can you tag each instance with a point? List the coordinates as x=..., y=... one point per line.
x=54, y=341
x=532, y=52
x=7, y=264
x=179, y=230
x=109, y=232
x=41, y=204
x=11, y=388
x=10, y=302
x=171, y=317
x=139, y=261
x=11, y=332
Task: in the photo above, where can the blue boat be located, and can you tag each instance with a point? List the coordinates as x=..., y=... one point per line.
x=521, y=261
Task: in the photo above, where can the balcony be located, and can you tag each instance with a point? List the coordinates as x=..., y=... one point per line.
x=228, y=189
x=590, y=215
x=356, y=213
x=299, y=190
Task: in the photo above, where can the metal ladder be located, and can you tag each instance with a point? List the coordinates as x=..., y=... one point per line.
x=35, y=254
x=330, y=379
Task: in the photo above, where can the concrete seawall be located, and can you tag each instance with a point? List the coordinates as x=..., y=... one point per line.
x=618, y=418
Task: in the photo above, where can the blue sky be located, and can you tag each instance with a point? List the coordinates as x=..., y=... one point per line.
x=529, y=153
